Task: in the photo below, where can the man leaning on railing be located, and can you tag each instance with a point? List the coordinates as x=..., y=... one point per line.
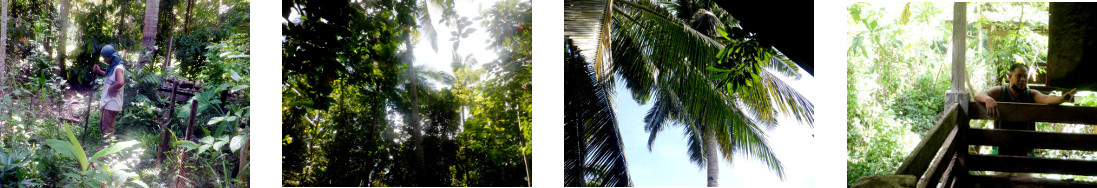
x=1017, y=91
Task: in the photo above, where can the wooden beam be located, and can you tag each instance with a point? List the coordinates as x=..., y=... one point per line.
x=995, y=181
x=954, y=170
x=1032, y=139
x=1002, y=163
x=959, y=45
x=918, y=161
x=932, y=176
x=1037, y=112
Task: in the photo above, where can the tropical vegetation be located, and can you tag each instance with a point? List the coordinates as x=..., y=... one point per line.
x=49, y=114
x=898, y=70
x=358, y=111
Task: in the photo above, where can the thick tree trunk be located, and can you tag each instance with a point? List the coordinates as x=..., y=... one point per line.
x=712, y=158
x=62, y=47
x=148, y=38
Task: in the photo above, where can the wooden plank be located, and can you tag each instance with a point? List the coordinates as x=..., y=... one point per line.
x=1037, y=112
x=918, y=161
x=1003, y=163
x=932, y=176
x=1046, y=89
x=997, y=181
x=951, y=172
x=1032, y=139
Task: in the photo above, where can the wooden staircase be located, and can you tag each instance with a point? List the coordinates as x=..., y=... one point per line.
x=942, y=158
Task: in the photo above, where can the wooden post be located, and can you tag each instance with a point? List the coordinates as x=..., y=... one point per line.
x=956, y=93
x=190, y=125
x=166, y=125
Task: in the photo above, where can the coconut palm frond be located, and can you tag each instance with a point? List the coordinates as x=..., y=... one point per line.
x=587, y=23
x=593, y=146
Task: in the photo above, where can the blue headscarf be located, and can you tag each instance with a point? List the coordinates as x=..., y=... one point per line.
x=108, y=51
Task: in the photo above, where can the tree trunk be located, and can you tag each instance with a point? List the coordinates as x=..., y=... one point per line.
x=62, y=47
x=416, y=133
x=186, y=21
x=712, y=158
x=3, y=40
x=171, y=41
x=148, y=38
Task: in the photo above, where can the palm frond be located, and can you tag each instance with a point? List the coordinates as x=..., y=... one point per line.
x=780, y=63
x=770, y=97
x=587, y=23
x=593, y=143
x=749, y=140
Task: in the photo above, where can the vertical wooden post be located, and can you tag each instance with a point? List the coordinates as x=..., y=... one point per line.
x=956, y=93
x=190, y=125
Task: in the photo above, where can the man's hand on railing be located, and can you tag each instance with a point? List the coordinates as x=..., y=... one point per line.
x=992, y=108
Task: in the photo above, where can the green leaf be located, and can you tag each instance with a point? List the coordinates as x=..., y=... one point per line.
x=711, y=68
x=215, y=120
x=202, y=149
x=722, y=31
x=217, y=145
x=186, y=144
x=78, y=150
x=235, y=76
x=65, y=148
x=206, y=140
x=114, y=148
x=238, y=88
x=140, y=183
x=236, y=143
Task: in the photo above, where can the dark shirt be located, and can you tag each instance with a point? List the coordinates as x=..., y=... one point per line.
x=1025, y=97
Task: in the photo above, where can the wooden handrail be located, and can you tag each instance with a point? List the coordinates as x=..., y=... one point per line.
x=941, y=162
x=919, y=159
x=1036, y=112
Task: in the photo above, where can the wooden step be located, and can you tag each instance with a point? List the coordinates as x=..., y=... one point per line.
x=999, y=163
x=999, y=181
x=1032, y=139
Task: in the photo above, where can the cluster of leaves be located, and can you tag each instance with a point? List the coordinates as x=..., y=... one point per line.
x=16, y=169
x=89, y=175
x=888, y=108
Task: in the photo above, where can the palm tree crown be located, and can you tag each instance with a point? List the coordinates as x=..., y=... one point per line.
x=702, y=72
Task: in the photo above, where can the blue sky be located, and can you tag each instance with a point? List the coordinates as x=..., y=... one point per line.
x=668, y=165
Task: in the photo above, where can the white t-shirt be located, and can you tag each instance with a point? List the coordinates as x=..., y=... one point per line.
x=113, y=103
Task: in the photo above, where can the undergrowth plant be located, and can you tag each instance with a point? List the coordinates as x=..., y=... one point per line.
x=88, y=175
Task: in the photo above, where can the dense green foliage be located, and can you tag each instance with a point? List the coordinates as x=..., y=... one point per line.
x=899, y=64
x=347, y=108
x=42, y=116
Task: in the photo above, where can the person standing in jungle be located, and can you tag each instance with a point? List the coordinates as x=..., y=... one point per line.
x=1017, y=91
x=110, y=101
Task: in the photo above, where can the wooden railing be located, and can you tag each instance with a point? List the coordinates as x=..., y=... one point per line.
x=942, y=159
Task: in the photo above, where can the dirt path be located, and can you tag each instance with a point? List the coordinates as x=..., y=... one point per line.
x=75, y=105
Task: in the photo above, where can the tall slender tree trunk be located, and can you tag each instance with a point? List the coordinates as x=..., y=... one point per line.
x=186, y=21
x=148, y=38
x=712, y=158
x=3, y=40
x=413, y=95
x=62, y=48
x=171, y=41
